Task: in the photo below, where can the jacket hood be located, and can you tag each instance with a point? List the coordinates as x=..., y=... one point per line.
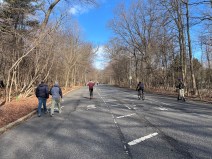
x=42, y=85
x=56, y=85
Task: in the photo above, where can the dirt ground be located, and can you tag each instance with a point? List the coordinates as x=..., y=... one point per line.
x=14, y=110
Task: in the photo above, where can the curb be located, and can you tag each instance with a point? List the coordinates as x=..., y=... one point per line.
x=10, y=125
x=20, y=120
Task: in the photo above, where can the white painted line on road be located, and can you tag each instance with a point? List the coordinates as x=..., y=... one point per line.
x=165, y=103
x=111, y=100
x=55, y=108
x=159, y=102
x=101, y=97
x=125, y=116
x=161, y=108
x=127, y=106
x=104, y=96
x=115, y=121
x=114, y=105
x=134, y=142
x=91, y=107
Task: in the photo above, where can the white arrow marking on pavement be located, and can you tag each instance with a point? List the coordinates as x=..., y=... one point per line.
x=125, y=116
x=91, y=107
x=134, y=142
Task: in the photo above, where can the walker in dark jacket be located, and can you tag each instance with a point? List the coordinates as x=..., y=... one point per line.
x=42, y=93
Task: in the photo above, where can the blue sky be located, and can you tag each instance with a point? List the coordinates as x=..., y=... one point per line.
x=93, y=21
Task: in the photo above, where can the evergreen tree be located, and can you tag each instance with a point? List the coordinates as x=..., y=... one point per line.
x=15, y=15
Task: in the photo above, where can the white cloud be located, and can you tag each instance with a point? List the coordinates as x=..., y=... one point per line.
x=77, y=9
x=73, y=11
x=100, y=61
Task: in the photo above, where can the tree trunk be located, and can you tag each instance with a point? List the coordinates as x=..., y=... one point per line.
x=190, y=52
x=51, y=7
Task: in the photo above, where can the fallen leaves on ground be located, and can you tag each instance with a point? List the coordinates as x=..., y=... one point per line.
x=14, y=110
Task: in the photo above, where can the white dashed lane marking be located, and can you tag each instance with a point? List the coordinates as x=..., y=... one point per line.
x=134, y=142
x=161, y=108
x=125, y=116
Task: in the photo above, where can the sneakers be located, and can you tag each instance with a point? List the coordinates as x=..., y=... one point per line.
x=52, y=115
x=39, y=115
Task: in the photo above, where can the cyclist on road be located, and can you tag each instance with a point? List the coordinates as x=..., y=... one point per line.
x=91, y=84
x=140, y=89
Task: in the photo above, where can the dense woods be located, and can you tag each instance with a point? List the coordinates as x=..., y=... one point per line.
x=33, y=48
x=155, y=42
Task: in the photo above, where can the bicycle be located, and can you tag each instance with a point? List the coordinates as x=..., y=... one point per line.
x=141, y=95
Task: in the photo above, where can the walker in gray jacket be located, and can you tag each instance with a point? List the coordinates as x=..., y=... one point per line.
x=56, y=93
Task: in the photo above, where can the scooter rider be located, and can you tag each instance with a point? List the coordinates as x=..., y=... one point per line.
x=180, y=87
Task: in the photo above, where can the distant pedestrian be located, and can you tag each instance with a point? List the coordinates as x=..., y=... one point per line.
x=42, y=93
x=90, y=85
x=57, y=96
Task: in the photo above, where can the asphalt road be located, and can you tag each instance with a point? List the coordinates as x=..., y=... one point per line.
x=114, y=125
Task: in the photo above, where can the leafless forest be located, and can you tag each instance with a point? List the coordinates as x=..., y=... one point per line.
x=154, y=42
x=32, y=50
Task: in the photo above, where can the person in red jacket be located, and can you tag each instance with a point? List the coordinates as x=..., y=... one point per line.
x=90, y=85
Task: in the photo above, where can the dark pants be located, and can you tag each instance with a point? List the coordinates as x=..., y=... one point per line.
x=41, y=101
x=140, y=91
x=91, y=92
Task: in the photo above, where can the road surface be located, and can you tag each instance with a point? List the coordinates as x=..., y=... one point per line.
x=114, y=125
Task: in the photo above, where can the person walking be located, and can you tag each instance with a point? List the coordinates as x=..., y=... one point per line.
x=90, y=85
x=57, y=96
x=42, y=93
